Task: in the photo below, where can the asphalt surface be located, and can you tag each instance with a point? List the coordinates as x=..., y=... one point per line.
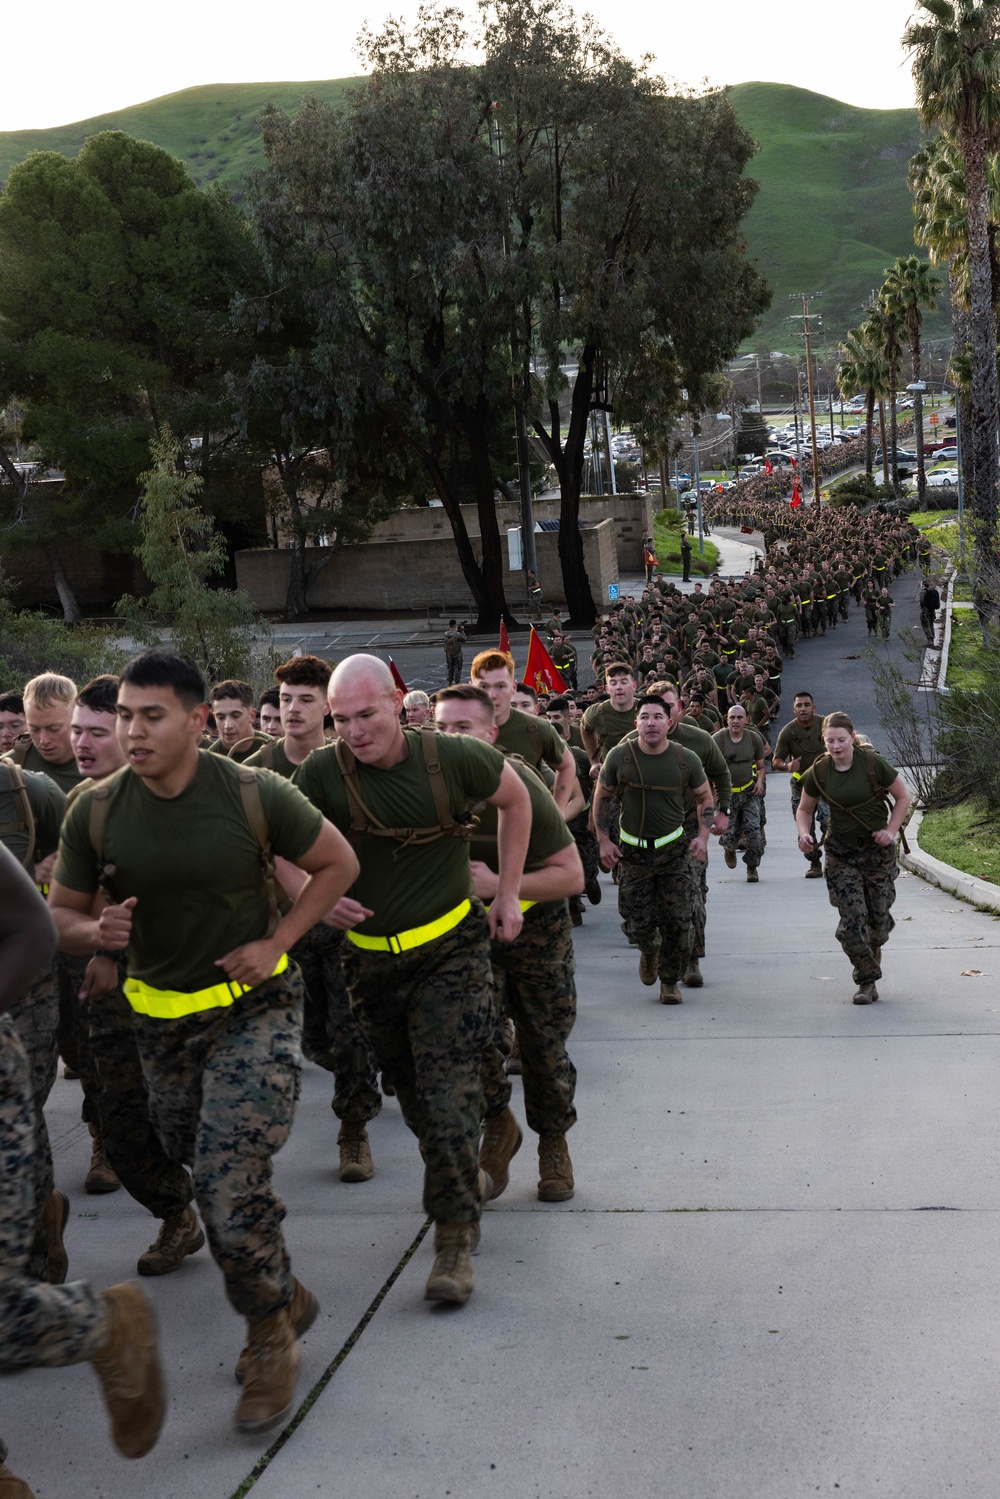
x=777, y=1276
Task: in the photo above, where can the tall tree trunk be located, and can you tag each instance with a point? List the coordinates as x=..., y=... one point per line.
x=295, y=594
x=918, y=419
x=568, y=462
x=475, y=426
x=67, y=598
x=963, y=401
x=982, y=498
x=869, y=431
x=471, y=571
x=893, y=439
x=885, y=450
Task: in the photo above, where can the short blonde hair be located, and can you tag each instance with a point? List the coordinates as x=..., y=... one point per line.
x=48, y=689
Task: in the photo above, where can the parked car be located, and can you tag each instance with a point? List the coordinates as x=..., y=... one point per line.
x=951, y=451
x=942, y=478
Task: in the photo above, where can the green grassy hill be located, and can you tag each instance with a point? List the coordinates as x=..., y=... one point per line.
x=832, y=212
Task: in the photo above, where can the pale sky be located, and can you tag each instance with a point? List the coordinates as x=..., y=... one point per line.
x=65, y=62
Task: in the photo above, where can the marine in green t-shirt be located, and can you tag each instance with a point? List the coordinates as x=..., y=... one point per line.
x=47, y=805
x=856, y=809
x=65, y=773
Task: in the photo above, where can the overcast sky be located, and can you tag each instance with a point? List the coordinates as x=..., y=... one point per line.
x=66, y=61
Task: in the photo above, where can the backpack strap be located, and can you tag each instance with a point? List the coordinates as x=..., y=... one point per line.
x=363, y=819
x=254, y=810
x=878, y=791
x=100, y=801
x=26, y=816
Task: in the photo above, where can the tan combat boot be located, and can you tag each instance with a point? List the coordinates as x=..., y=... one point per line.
x=100, y=1177
x=451, y=1276
x=815, y=870
x=866, y=994
x=501, y=1142
x=303, y=1309
x=555, y=1169
x=178, y=1237
x=270, y=1371
x=12, y=1487
x=692, y=977
x=670, y=994
x=649, y=966
x=356, y=1164
x=54, y=1217
x=128, y=1367
x=753, y=877
x=729, y=854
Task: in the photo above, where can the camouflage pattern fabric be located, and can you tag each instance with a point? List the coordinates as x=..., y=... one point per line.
x=698, y=875
x=330, y=1034
x=655, y=903
x=223, y=1085
x=426, y=1014
x=586, y=843
x=540, y=997
x=746, y=822
x=861, y=884
x=36, y=1016
x=40, y=1325
x=74, y=1046
x=820, y=817
x=131, y=1144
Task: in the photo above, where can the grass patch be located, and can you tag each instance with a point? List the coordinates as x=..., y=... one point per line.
x=967, y=664
x=967, y=837
x=667, y=540
x=962, y=592
x=926, y=520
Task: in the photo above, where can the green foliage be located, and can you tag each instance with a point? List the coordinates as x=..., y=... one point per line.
x=668, y=528
x=967, y=837
x=752, y=435
x=31, y=643
x=180, y=552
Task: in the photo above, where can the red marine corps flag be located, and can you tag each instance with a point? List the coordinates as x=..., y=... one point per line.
x=397, y=676
x=540, y=672
x=796, y=499
x=504, y=640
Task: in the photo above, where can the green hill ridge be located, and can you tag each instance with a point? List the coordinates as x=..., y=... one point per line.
x=833, y=210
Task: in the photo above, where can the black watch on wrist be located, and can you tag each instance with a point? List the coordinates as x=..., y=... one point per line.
x=725, y=811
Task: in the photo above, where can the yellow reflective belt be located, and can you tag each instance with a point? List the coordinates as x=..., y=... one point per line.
x=746, y=787
x=797, y=775
x=831, y=595
x=656, y=842
x=416, y=936
x=173, y=1004
x=525, y=905
x=43, y=889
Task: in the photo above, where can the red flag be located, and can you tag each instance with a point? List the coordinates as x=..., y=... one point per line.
x=769, y=467
x=796, y=499
x=504, y=640
x=396, y=676
x=540, y=672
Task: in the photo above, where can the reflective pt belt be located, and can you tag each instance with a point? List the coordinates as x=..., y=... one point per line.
x=173, y=1004
x=746, y=787
x=797, y=775
x=525, y=905
x=416, y=936
x=649, y=843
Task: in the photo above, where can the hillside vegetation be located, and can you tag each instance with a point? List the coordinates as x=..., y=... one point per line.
x=832, y=213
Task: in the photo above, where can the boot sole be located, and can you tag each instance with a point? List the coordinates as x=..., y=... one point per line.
x=255, y=1428
x=192, y=1248
x=57, y=1266
x=447, y=1297
x=355, y=1174
x=561, y=1194
x=101, y=1188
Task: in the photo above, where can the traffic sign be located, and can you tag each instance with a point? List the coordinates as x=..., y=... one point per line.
x=613, y=593
x=933, y=418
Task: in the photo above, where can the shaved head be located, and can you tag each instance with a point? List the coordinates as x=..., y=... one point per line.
x=361, y=671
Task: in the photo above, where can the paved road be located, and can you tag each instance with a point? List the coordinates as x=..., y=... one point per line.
x=777, y=1277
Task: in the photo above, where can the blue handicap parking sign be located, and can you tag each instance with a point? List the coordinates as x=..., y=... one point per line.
x=613, y=593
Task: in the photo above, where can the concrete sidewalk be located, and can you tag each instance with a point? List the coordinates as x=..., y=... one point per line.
x=777, y=1276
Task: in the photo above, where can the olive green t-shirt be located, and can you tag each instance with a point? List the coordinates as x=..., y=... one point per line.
x=66, y=775
x=852, y=789
x=660, y=808
x=609, y=725
x=744, y=759
x=549, y=833
x=193, y=863
x=407, y=885
x=794, y=741
x=47, y=804
x=272, y=757
x=247, y=747
x=535, y=740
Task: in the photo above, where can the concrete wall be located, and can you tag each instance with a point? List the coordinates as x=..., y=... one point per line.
x=632, y=514
x=417, y=573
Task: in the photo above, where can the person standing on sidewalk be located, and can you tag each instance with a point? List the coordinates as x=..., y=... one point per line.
x=330, y=1034
x=454, y=646
x=417, y=957
x=930, y=603
x=183, y=843
x=797, y=746
x=745, y=752
x=650, y=776
x=47, y=1326
x=685, y=559
x=861, y=868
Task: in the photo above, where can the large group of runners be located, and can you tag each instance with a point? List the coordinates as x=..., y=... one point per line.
x=201, y=885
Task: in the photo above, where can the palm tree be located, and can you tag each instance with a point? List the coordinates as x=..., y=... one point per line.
x=862, y=368
x=956, y=69
x=885, y=330
x=911, y=287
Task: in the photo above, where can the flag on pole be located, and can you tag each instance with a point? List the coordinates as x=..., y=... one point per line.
x=796, y=499
x=540, y=671
x=504, y=640
x=396, y=676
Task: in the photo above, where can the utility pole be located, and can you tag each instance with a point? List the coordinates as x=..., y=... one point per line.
x=806, y=315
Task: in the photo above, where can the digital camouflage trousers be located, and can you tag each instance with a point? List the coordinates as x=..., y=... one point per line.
x=533, y=983
x=223, y=1085
x=40, y=1325
x=426, y=1014
x=698, y=873
x=656, y=902
x=861, y=884
x=130, y=1141
x=746, y=826
x=586, y=843
x=331, y=1036
x=820, y=817
x=36, y=1016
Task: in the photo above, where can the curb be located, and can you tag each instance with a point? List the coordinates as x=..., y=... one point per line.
x=953, y=881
